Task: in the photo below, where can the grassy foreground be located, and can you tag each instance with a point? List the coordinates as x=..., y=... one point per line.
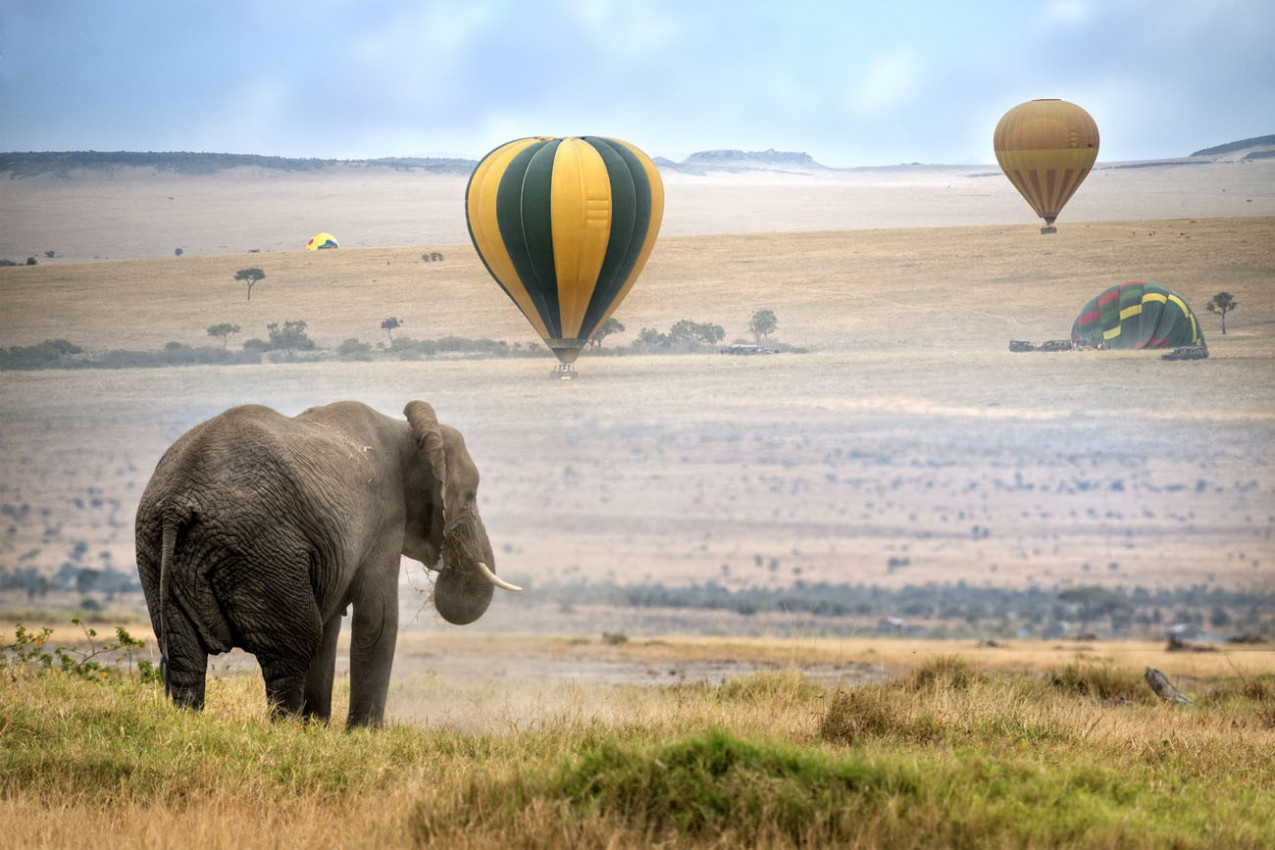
x=947, y=754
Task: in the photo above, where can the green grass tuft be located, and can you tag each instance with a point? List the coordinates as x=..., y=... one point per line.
x=716, y=784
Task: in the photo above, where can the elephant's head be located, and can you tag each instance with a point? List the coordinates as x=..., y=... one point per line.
x=444, y=529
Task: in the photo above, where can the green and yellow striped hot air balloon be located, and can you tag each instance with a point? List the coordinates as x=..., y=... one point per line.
x=1137, y=314
x=565, y=226
x=1046, y=148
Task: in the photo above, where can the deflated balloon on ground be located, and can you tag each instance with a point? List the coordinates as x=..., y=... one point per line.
x=1136, y=314
x=321, y=241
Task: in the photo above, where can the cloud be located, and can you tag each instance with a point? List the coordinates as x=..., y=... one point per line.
x=854, y=84
x=630, y=30
x=257, y=116
x=890, y=82
x=1069, y=11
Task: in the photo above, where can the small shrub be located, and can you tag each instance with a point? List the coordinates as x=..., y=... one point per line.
x=352, y=349
x=1233, y=693
x=1099, y=681
x=875, y=712
x=33, y=651
x=787, y=687
x=946, y=671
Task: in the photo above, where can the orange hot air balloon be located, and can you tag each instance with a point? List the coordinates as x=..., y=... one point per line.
x=1046, y=148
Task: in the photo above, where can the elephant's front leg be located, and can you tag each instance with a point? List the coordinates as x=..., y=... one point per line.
x=318, y=681
x=373, y=635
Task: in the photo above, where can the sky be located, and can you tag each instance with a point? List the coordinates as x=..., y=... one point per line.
x=851, y=83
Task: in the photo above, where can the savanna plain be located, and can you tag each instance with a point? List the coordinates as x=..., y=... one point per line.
x=904, y=446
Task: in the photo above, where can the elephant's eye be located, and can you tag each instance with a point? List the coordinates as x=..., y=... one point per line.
x=471, y=497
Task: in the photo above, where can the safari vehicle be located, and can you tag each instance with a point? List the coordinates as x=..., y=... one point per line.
x=1186, y=352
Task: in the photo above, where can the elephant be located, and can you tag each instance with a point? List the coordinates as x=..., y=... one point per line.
x=261, y=531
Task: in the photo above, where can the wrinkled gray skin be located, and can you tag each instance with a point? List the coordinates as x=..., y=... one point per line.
x=257, y=531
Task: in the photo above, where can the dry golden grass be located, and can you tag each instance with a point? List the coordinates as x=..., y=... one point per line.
x=934, y=744
x=954, y=288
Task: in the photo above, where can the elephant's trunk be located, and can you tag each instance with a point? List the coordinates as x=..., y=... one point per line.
x=466, y=584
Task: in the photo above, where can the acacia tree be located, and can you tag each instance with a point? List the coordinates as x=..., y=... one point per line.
x=223, y=332
x=289, y=339
x=763, y=324
x=685, y=335
x=1222, y=303
x=610, y=326
x=250, y=277
x=389, y=326
x=693, y=334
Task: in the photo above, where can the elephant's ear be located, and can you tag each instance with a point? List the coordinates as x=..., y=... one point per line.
x=429, y=438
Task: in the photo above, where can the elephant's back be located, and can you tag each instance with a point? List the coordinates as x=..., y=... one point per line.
x=226, y=444
x=254, y=470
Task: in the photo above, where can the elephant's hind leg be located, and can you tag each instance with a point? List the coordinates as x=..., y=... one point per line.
x=318, y=682
x=285, y=663
x=183, y=658
x=285, y=684
x=185, y=667
x=278, y=622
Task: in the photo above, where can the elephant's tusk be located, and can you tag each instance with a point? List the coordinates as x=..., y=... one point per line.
x=495, y=579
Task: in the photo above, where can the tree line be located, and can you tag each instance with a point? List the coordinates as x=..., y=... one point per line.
x=935, y=609
x=290, y=341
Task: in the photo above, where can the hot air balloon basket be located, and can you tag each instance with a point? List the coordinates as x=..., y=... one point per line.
x=564, y=372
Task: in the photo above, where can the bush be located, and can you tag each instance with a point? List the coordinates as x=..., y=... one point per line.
x=685, y=337
x=352, y=349
x=1099, y=681
x=875, y=712
x=50, y=354
x=33, y=651
x=290, y=338
x=174, y=354
x=946, y=671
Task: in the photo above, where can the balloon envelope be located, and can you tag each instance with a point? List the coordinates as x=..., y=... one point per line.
x=1137, y=314
x=320, y=241
x=565, y=226
x=1046, y=149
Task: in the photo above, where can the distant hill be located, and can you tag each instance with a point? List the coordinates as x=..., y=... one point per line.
x=1260, y=147
x=62, y=163
x=31, y=164
x=737, y=160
